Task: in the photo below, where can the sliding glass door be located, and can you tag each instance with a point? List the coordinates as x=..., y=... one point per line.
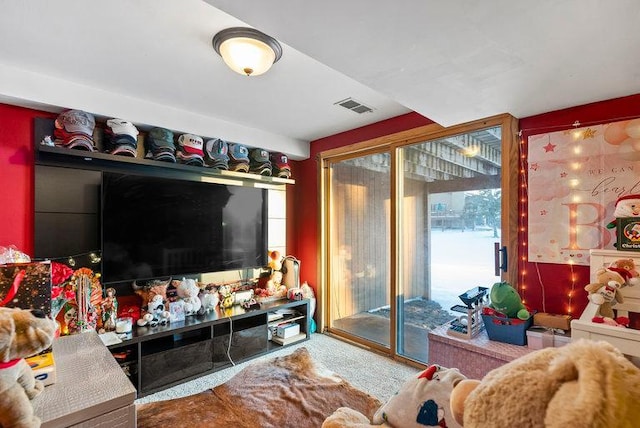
x=409, y=224
x=450, y=209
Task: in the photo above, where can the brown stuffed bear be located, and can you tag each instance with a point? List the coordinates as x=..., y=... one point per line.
x=22, y=333
x=606, y=291
x=582, y=384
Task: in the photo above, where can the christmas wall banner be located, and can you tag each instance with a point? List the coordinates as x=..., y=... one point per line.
x=575, y=178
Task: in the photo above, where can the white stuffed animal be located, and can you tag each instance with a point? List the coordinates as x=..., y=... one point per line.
x=156, y=313
x=188, y=291
x=209, y=299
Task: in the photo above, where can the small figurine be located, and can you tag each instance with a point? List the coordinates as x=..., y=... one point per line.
x=67, y=318
x=109, y=310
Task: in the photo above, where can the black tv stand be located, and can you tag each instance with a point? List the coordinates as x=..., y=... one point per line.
x=156, y=358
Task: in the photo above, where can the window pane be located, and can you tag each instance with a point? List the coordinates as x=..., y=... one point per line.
x=359, y=224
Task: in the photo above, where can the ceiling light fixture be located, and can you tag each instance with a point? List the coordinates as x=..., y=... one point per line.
x=246, y=50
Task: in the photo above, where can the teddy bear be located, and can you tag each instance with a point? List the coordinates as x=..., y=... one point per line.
x=582, y=384
x=188, y=291
x=629, y=266
x=22, y=333
x=605, y=292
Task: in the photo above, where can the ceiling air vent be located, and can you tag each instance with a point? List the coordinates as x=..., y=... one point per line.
x=353, y=105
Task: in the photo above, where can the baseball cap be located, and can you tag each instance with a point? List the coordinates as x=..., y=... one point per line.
x=216, y=153
x=76, y=122
x=238, y=153
x=73, y=129
x=122, y=138
x=280, y=165
x=259, y=156
x=189, y=150
x=122, y=145
x=80, y=142
x=121, y=127
x=238, y=157
x=260, y=163
x=159, y=145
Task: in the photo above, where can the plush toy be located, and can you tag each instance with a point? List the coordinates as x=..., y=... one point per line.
x=605, y=292
x=157, y=312
x=422, y=401
x=275, y=261
x=22, y=333
x=209, y=298
x=629, y=266
x=188, y=291
x=154, y=303
x=227, y=299
x=582, y=384
x=626, y=206
x=274, y=284
x=506, y=300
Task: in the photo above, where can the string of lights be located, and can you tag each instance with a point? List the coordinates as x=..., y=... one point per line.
x=93, y=256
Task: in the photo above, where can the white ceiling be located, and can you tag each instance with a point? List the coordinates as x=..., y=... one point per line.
x=151, y=61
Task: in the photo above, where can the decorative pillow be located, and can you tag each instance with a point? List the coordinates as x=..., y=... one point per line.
x=422, y=401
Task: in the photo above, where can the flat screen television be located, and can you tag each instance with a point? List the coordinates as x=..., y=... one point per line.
x=155, y=227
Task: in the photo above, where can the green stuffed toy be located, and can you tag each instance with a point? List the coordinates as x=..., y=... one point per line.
x=506, y=300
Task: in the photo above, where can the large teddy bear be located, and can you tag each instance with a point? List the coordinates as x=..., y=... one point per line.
x=582, y=384
x=22, y=333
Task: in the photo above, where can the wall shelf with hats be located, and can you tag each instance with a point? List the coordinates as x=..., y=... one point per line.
x=48, y=153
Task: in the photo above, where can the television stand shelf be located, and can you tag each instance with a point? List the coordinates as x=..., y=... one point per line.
x=156, y=358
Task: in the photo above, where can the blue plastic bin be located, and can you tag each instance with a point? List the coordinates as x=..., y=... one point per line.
x=507, y=330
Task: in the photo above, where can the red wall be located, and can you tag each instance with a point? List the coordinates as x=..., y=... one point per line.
x=552, y=281
x=16, y=176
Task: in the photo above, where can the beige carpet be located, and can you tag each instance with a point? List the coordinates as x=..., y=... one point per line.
x=285, y=391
